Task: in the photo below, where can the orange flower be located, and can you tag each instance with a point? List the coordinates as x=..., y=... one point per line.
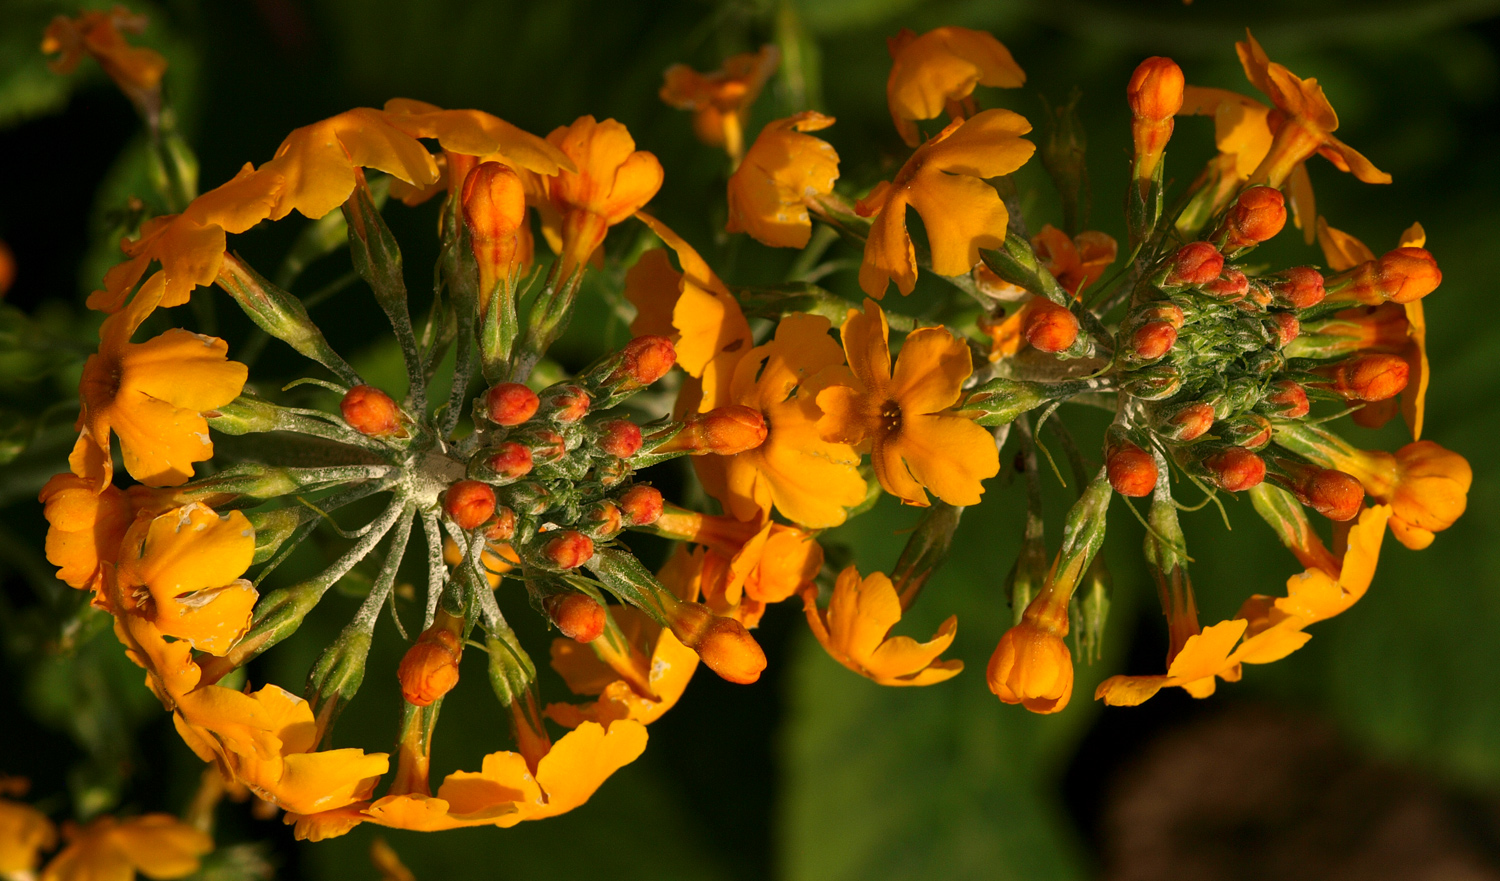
x=157, y=845
x=137, y=71
x=24, y=833
x=915, y=439
x=784, y=174
x=1078, y=262
x=85, y=526
x=855, y=631
x=1343, y=251
x=152, y=395
x=939, y=70
x=1426, y=486
x=613, y=181
x=182, y=571
x=944, y=181
x=747, y=564
x=1031, y=666
x=665, y=673
x=721, y=100
x=809, y=480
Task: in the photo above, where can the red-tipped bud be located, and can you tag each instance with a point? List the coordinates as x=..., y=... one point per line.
x=1287, y=327
x=546, y=446
x=641, y=505
x=503, y=526
x=620, y=437
x=1050, y=327
x=510, y=404
x=510, y=460
x=602, y=521
x=429, y=669
x=643, y=361
x=494, y=208
x=723, y=431
x=1367, y=377
x=1334, y=494
x=1285, y=400
x=577, y=616
x=566, y=403
x=1194, y=264
x=1166, y=311
x=1235, y=469
x=1155, y=89
x=1152, y=340
x=370, y=411
x=1187, y=423
x=568, y=549
x=1249, y=430
x=611, y=472
x=1404, y=275
x=1131, y=470
x=469, y=503
x=1231, y=287
x=723, y=643
x=1298, y=288
x=1257, y=216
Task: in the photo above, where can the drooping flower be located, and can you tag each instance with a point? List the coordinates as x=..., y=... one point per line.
x=721, y=100
x=938, y=71
x=85, y=527
x=153, y=395
x=24, y=833
x=613, y=181
x=855, y=631
x=107, y=849
x=944, y=181
x=915, y=438
x=785, y=173
x=135, y=69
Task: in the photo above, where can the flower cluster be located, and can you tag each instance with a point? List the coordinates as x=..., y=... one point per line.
x=521, y=473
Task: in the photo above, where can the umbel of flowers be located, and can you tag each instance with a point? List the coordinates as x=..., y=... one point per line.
x=1219, y=373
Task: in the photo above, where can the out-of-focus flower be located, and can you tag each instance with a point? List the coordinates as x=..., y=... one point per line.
x=24, y=833
x=721, y=100
x=938, y=71
x=136, y=70
x=108, y=849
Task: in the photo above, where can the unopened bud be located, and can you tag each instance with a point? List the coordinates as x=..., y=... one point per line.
x=510, y=404
x=724, y=431
x=579, y=617
x=1231, y=287
x=1298, y=287
x=1285, y=400
x=1155, y=96
x=429, y=669
x=1194, y=264
x=723, y=643
x=643, y=361
x=1404, y=275
x=1049, y=327
x=1152, y=383
x=611, y=473
x=1334, y=494
x=1256, y=216
x=546, y=445
x=1151, y=341
x=1032, y=667
x=370, y=411
x=1367, y=377
x=503, y=526
x=602, y=520
x=510, y=460
x=1185, y=423
x=1286, y=327
x=1249, y=430
x=568, y=549
x=1165, y=310
x=1132, y=470
x=1235, y=469
x=527, y=498
x=469, y=503
x=641, y=505
x=494, y=209
x=565, y=404
x=620, y=438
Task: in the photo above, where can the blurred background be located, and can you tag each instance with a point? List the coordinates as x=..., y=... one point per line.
x=1372, y=753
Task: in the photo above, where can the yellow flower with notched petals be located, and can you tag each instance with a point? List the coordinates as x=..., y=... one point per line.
x=107, y=849
x=939, y=70
x=855, y=631
x=944, y=181
x=784, y=172
x=915, y=439
x=612, y=181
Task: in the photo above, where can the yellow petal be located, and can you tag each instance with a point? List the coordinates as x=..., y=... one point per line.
x=947, y=454
x=930, y=371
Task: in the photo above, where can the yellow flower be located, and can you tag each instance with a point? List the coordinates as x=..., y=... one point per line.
x=721, y=100
x=744, y=564
x=784, y=173
x=613, y=180
x=157, y=845
x=24, y=833
x=915, y=440
x=153, y=395
x=939, y=70
x=85, y=527
x=944, y=181
x=808, y=479
x=182, y=571
x=855, y=631
x=665, y=674
x=1075, y=262
x=1271, y=629
x=137, y=71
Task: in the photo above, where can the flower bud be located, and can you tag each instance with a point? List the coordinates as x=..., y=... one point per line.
x=565, y=404
x=1151, y=341
x=1049, y=327
x=1286, y=327
x=568, y=549
x=1367, y=377
x=723, y=431
x=1032, y=666
x=1155, y=96
x=370, y=411
x=1185, y=423
x=620, y=438
x=469, y=503
x=1334, y=494
x=1235, y=469
x=1152, y=383
x=1256, y=216
x=527, y=498
x=1248, y=430
x=579, y=617
x=503, y=526
x=1132, y=470
x=1195, y=263
x=429, y=669
x=1298, y=287
x=1231, y=287
x=602, y=520
x=611, y=472
x=494, y=209
x=510, y=404
x=641, y=505
x=723, y=643
x=1404, y=275
x=510, y=460
x=545, y=445
x=643, y=361
x=1285, y=400
x=1164, y=310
